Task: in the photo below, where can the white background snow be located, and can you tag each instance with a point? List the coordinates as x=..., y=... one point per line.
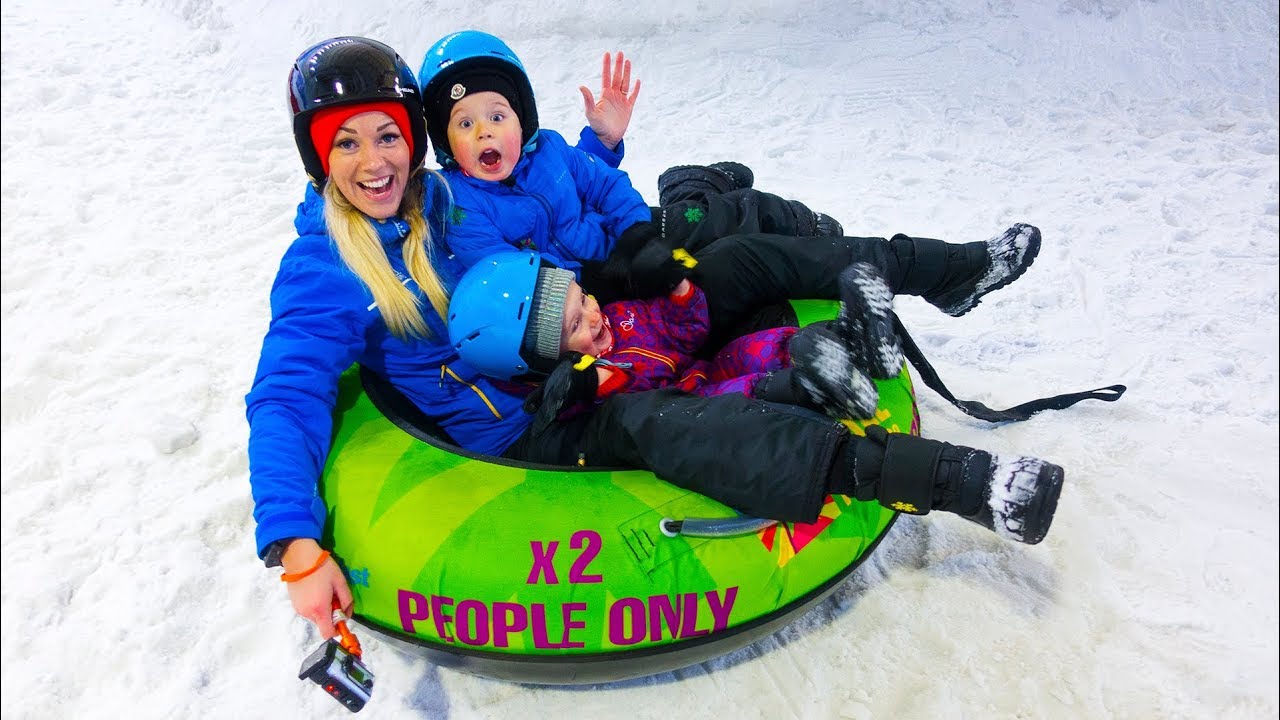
x=149, y=185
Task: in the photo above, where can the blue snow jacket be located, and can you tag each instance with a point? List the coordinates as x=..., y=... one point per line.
x=561, y=201
x=322, y=320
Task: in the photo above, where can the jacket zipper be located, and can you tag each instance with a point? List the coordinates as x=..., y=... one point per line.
x=551, y=236
x=444, y=369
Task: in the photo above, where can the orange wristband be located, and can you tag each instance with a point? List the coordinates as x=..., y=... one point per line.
x=295, y=577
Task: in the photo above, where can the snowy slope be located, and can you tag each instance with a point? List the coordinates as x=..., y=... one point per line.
x=149, y=184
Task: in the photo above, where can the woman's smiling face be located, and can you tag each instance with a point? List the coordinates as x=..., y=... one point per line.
x=369, y=162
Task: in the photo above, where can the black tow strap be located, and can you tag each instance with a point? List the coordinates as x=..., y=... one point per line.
x=1111, y=393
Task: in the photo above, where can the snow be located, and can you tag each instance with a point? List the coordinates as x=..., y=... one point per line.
x=149, y=185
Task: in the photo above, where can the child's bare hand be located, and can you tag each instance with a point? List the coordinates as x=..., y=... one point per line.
x=611, y=114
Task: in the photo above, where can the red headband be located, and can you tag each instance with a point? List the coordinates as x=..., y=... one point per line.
x=326, y=121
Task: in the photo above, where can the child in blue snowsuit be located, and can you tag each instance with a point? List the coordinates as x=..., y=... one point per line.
x=519, y=186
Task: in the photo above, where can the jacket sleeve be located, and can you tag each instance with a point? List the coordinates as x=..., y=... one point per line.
x=687, y=319
x=607, y=191
x=589, y=142
x=314, y=335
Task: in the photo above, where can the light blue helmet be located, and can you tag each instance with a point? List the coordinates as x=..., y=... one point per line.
x=478, y=61
x=505, y=314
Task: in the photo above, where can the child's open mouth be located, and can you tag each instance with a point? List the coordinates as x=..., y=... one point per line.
x=490, y=159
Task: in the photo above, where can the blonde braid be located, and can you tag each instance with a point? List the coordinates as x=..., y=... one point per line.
x=419, y=250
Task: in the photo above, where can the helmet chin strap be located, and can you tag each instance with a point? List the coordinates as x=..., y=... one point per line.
x=445, y=159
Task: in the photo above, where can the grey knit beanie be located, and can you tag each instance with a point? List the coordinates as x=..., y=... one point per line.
x=546, y=315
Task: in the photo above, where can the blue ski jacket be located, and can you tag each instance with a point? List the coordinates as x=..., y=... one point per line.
x=322, y=321
x=559, y=200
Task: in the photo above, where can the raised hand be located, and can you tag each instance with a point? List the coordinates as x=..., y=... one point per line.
x=611, y=114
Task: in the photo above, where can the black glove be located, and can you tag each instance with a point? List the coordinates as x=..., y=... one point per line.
x=641, y=266
x=633, y=240
x=657, y=270
x=573, y=381
x=610, y=280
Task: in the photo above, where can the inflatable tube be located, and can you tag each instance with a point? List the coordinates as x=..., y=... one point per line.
x=561, y=575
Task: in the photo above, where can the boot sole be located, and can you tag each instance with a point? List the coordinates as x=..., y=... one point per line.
x=866, y=321
x=1038, y=511
x=828, y=373
x=1043, y=506
x=1029, y=258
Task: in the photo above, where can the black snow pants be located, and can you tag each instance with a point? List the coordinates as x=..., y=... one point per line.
x=743, y=274
x=760, y=458
x=763, y=459
x=698, y=221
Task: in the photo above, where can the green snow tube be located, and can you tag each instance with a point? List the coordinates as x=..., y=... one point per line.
x=554, y=575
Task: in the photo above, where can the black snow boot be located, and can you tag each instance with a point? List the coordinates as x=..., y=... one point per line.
x=695, y=182
x=1015, y=497
x=865, y=321
x=977, y=268
x=827, y=226
x=827, y=377
x=742, y=176
x=810, y=223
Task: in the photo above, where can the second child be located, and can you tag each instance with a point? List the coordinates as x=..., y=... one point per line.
x=513, y=314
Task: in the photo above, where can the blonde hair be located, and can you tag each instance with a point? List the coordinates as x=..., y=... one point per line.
x=352, y=232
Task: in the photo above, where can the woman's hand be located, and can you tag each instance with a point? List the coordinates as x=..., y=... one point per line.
x=611, y=114
x=313, y=595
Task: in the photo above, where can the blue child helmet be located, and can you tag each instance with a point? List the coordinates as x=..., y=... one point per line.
x=489, y=311
x=345, y=71
x=469, y=52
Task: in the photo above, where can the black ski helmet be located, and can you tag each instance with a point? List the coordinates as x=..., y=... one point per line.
x=346, y=71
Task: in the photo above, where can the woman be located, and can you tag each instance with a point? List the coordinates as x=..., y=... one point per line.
x=362, y=283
